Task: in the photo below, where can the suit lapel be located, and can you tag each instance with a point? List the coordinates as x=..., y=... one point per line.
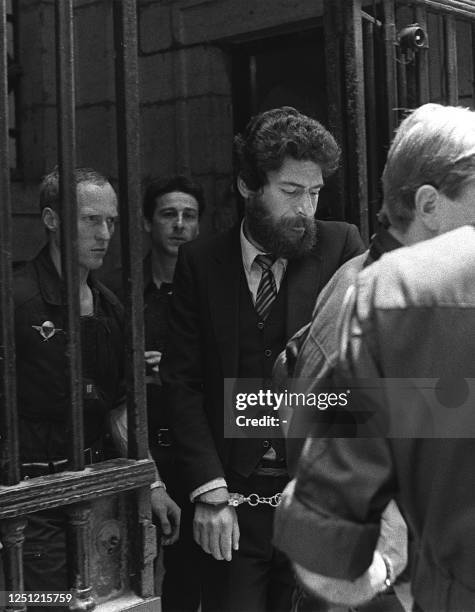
x=303, y=284
x=223, y=291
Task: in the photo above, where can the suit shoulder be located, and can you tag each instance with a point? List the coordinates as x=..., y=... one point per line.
x=207, y=245
x=334, y=228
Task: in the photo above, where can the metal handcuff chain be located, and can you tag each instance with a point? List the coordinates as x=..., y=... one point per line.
x=236, y=499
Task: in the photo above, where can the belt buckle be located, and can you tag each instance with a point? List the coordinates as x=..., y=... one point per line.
x=162, y=437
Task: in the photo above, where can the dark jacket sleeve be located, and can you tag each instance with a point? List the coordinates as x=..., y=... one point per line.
x=182, y=372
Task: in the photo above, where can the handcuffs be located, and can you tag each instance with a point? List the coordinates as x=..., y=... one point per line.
x=236, y=499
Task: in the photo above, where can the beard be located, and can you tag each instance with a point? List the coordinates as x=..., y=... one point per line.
x=278, y=236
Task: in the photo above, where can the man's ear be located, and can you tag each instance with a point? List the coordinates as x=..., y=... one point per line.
x=426, y=201
x=50, y=219
x=244, y=189
x=147, y=225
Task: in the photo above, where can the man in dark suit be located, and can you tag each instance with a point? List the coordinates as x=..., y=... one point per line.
x=238, y=297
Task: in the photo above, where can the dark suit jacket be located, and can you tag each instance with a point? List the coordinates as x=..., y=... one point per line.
x=204, y=331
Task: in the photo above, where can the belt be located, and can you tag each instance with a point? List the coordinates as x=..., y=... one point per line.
x=32, y=469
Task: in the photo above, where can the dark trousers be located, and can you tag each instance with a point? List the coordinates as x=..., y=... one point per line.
x=259, y=577
x=44, y=554
x=181, y=583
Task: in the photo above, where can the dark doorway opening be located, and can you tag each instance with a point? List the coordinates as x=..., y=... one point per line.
x=282, y=70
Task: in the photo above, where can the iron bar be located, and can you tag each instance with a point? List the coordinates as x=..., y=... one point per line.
x=422, y=61
x=144, y=544
x=56, y=490
x=79, y=528
x=128, y=143
x=68, y=214
x=402, y=85
x=458, y=8
x=356, y=126
x=332, y=21
x=9, y=448
x=12, y=534
x=473, y=62
x=371, y=115
x=451, y=66
x=391, y=96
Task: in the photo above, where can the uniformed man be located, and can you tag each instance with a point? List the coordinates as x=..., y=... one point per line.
x=42, y=378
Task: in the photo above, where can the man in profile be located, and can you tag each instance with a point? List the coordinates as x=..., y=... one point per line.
x=408, y=318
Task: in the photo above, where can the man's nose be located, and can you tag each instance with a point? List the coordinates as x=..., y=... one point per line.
x=307, y=204
x=104, y=231
x=179, y=221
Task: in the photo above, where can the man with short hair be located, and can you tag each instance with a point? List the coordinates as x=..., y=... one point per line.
x=172, y=208
x=237, y=298
x=407, y=318
x=42, y=380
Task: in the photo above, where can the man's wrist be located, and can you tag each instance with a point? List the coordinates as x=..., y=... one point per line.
x=215, y=497
x=158, y=484
x=390, y=574
x=383, y=572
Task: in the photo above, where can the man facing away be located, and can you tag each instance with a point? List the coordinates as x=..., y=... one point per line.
x=408, y=318
x=237, y=298
x=42, y=380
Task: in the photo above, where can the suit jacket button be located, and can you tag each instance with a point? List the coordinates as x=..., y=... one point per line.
x=260, y=325
x=267, y=352
x=266, y=444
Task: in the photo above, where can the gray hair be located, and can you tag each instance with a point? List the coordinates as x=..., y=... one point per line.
x=434, y=145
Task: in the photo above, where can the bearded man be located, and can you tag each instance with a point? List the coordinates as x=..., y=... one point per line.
x=238, y=297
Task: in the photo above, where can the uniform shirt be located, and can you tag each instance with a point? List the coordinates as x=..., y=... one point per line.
x=42, y=368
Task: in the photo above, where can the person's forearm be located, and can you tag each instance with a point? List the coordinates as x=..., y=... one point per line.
x=119, y=432
x=346, y=592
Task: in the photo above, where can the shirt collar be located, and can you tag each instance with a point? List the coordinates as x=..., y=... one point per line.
x=51, y=284
x=249, y=251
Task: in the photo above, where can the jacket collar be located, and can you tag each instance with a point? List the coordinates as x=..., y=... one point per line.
x=50, y=283
x=303, y=281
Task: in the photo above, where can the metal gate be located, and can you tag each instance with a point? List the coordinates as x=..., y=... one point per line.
x=384, y=57
x=108, y=504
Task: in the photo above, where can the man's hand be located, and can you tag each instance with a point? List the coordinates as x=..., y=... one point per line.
x=393, y=537
x=153, y=358
x=168, y=514
x=215, y=525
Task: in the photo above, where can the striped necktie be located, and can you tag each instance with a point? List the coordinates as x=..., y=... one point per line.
x=267, y=290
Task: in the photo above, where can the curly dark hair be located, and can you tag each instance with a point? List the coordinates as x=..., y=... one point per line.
x=168, y=184
x=283, y=132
